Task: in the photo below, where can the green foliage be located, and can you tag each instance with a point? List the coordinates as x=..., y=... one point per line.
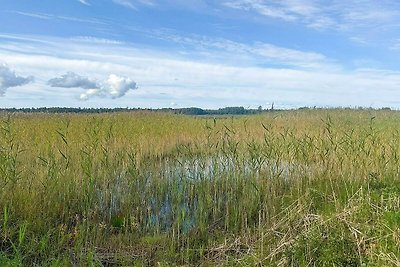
x=325, y=245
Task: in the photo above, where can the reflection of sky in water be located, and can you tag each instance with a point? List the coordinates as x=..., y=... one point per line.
x=165, y=209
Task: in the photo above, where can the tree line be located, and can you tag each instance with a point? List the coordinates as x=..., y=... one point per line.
x=185, y=111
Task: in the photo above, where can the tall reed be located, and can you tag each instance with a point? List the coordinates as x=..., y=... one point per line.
x=292, y=188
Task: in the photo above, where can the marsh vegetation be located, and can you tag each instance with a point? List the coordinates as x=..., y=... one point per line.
x=287, y=188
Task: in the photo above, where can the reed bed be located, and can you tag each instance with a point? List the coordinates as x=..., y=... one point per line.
x=289, y=188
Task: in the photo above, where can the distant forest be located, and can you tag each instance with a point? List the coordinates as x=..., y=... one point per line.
x=185, y=111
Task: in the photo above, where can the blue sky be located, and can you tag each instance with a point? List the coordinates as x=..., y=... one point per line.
x=210, y=54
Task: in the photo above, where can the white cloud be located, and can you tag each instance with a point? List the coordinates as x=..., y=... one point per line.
x=261, y=8
x=85, y=2
x=337, y=14
x=256, y=53
x=34, y=15
x=8, y=79
x=133, y=3
x=46, y=16
x=125, y=3
x=91, y=40
x=114, y=87
x=72, y=80
x=376, y=23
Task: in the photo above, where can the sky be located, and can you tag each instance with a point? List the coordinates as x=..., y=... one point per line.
x=202, y=53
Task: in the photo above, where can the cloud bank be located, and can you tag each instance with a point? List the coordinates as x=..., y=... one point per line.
x=114, y=87
x=8, y=79
x=167, y=78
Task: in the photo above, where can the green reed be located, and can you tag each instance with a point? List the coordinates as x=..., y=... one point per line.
x=291, y=188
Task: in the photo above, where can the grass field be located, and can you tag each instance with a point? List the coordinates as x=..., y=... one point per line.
x=288, y=188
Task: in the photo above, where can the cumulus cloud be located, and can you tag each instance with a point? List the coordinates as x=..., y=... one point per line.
x=8, y=79
x=114, y=86
x=73, y=80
